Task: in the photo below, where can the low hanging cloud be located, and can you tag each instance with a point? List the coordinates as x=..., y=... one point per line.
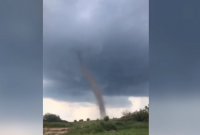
x=113, y=38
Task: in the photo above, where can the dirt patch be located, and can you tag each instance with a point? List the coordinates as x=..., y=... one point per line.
x=55, y=131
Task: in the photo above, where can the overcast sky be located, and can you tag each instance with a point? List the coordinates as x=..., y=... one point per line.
x=113, y=38
x=174, y=66
x=21, y=67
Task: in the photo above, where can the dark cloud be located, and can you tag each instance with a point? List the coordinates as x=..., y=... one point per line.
x=174, y=54
x=113, y=38
x=174, y=68
x=21, y=67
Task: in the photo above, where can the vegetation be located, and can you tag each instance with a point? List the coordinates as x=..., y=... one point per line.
x=52, y=120
x=131, y=123
x=56, y=124
x=106, y=118
x=48, y=117
x=80, y=120
x=116, y=127
x=141, y=115
x=88, y=119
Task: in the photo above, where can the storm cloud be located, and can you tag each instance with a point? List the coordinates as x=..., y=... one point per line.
x=113, y=38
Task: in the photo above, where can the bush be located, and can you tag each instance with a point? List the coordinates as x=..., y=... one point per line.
x=80, y=120
x=75, y=120
x=108, y=126
x=127, y=115
x=119, y=123
x=88, y=119
x=106, y=118
x=97, y=119
x=64, y=121
x=48, y=117
x=141, y=115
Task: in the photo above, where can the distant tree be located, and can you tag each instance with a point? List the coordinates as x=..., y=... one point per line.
x=141, y=115
x=114, y=118
x=97, y=119
x=126, y=113
x=106, y=118
x=88, y=119
x=147, y=108
x=75, y=120
x=80, y=120
x=48, y=117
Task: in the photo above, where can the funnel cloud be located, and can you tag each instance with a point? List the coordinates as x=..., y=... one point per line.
x=94, y=86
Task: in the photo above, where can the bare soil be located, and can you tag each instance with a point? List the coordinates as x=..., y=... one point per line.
x=55, y=131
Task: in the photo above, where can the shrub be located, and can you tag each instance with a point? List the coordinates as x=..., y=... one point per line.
x=118, y=123
x=127, y=115
x=108, y=126
x=75, y=120
x=88, y=119
x=80, y=120
x=48, y=117
x=64, y=121
x=141, y=115
x=106, y=118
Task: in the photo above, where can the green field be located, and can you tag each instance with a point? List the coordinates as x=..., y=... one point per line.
x=111, y=127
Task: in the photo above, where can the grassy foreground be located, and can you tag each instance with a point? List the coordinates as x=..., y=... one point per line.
x=111, y=127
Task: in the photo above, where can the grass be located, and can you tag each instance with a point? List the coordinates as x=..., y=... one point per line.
x=111, y=127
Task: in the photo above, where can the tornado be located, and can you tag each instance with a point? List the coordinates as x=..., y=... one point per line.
x=94, y=86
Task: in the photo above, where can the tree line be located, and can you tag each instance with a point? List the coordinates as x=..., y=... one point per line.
x=141, y=115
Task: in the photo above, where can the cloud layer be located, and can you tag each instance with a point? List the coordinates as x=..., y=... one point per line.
x=113, y=37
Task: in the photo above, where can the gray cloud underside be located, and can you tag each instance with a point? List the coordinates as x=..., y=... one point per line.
x=20, y=65
x=113, y=38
